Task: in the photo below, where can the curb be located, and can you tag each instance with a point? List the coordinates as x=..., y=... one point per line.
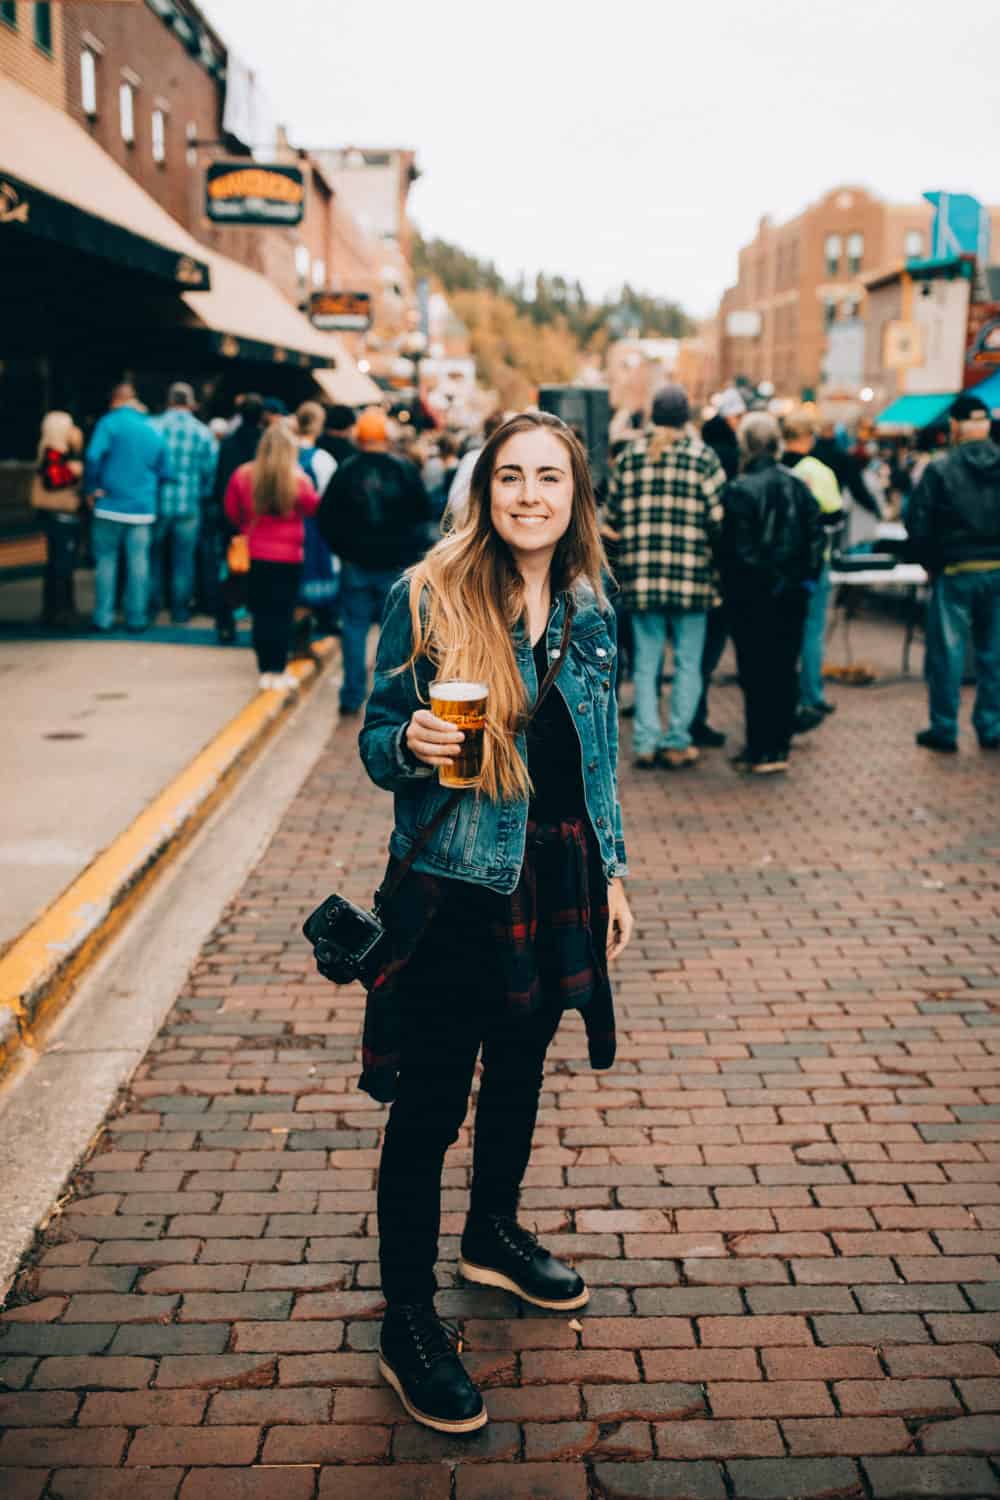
x=38, y=969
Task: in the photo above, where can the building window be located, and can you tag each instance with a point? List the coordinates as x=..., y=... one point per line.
x=829, y=312
x=43, y=26
x=8, y=13
x=319, y=273
x=832, y=251
x=302, y=264
x=913, y=245
x=88, y=82
x=855, y=253
x=126, y=112
x=159, y=136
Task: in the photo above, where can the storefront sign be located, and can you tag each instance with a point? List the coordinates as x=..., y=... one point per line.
x=341, y=311
x=252, y=193
x=984, y=337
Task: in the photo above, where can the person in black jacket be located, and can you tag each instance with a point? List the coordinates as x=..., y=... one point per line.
x=721, y=433
x=769, y=553
x=953, y=522
x=373, y=516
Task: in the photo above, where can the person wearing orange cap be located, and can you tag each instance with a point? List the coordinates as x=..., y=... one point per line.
x=374, y=517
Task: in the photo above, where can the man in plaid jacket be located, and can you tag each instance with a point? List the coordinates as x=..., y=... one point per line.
x=665, y=510
x=193, y=454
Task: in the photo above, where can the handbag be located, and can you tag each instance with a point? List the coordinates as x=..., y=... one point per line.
x=238, y=554
x=352, y=943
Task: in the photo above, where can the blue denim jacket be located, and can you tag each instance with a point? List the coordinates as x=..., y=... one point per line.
x=483, y=841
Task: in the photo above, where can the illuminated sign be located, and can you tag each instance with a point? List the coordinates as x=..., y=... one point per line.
x=250, y=193
x=341, y=311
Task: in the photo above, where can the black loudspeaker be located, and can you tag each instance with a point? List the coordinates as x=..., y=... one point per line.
x=587, y=408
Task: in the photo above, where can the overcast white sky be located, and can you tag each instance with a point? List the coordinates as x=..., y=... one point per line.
x=636, y=140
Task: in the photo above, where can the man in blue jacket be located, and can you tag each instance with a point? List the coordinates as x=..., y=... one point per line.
x=125, y=467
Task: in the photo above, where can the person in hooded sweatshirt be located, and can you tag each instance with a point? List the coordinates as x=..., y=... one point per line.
x=953, y=523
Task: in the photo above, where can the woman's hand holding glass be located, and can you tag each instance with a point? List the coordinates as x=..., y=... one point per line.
x=431, y=740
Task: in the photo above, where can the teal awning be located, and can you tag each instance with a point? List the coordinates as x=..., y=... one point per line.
x=988, y=391
x=915, y=411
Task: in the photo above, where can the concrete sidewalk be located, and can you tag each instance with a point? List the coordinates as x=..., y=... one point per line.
x=784, y=1196
x=98, y=728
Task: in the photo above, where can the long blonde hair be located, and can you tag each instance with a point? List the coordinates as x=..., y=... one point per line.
x=59, y=431
x=467, y=595
x=275, y=473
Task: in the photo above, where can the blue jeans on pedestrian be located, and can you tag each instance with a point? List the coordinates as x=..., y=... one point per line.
x=181, y=534
x=363, y=593
x=813, y=640
x=653, y=628
x=961, y=603
x=108, y=539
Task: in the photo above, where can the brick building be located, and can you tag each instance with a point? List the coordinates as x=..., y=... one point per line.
x=31, y=49
x=798, y=279
x=113, y=266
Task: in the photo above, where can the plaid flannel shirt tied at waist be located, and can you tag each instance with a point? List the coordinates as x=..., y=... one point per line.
x=547, y=942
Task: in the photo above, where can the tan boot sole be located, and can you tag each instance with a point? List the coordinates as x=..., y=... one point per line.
x=484, y=1276
x=467, y=1424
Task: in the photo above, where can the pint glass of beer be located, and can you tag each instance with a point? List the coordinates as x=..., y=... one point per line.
x=464, y=705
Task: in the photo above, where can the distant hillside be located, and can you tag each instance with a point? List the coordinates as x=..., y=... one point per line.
x=522, y=335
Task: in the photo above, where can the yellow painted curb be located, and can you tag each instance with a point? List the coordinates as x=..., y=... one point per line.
x=37, y=970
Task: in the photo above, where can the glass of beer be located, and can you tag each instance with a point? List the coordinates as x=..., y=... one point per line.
x=464, y=705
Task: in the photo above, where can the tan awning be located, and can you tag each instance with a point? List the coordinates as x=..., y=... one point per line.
x=244, y=305
x=347, y=385
x=245, y=308
x=57, y=183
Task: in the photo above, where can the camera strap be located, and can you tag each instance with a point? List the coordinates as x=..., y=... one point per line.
x=420, y=843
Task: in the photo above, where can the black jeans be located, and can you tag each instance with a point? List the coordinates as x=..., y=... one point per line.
x=716, y=636
x=767, y=633
x=454, y=1007
x=273, y=590
x=62, y=540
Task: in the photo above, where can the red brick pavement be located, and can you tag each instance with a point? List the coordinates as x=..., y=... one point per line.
x=785, y=1196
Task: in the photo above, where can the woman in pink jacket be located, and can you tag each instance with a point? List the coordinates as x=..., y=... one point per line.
x=268, y=500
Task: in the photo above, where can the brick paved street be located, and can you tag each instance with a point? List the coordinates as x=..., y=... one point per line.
x=785, y=1196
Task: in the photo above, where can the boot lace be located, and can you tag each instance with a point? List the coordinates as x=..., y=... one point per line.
x=432, y=1339
x=518, y=1240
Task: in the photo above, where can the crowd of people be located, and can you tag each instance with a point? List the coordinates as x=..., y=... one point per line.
x=729, y=533
x=715, y=531
x=186, y=515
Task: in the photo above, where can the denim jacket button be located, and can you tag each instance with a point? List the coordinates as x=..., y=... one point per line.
x=592, y=765
x=581, y=708
x=600, y=822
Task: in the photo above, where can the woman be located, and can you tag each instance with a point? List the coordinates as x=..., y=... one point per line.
x=269, y=500
x=514, y=905
x=56, y=497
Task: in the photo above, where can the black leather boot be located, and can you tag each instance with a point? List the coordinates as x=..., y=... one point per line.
x=499, y=1252
x=418, y=1356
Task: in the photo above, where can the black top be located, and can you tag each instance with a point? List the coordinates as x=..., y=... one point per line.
x=553, y=755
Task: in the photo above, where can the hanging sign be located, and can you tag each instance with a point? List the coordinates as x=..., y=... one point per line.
x=349, y=312
x=249, y=192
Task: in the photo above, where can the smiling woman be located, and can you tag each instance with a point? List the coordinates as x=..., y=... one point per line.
x=503, y=901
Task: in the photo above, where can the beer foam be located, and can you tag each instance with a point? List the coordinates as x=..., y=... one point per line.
x=459, y=692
